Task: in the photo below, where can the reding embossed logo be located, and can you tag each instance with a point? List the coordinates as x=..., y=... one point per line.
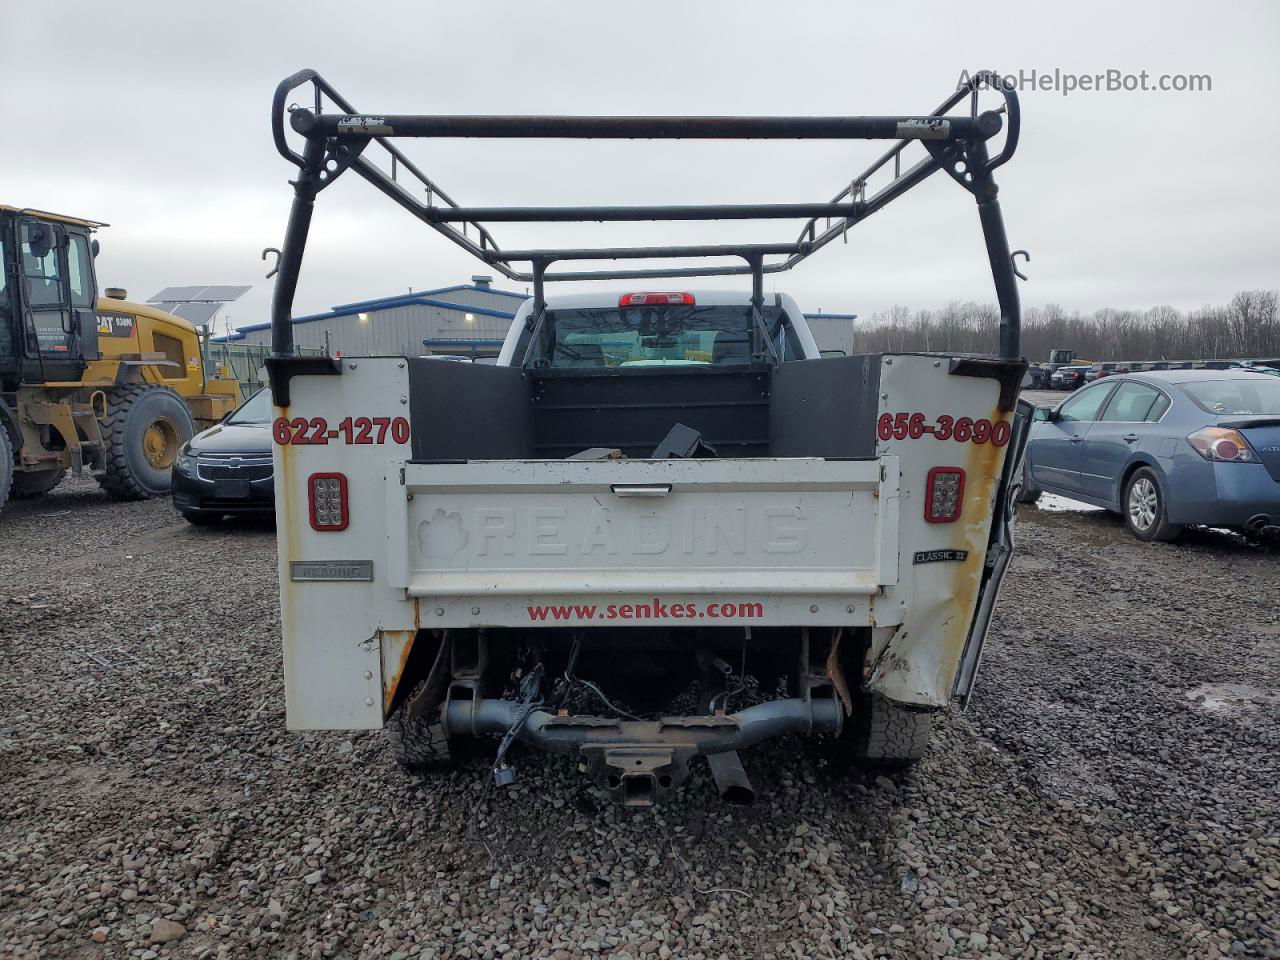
x=442, y=537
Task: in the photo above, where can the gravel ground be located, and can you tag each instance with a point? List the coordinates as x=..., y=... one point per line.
x=1111, y=793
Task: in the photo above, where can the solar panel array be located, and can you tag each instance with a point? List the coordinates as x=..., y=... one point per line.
x=212, y=293
x=200, y=304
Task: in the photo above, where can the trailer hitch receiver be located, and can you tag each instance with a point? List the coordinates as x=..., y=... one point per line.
x=636, y=776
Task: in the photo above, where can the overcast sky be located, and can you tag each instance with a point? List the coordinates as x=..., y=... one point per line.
x=154, y=116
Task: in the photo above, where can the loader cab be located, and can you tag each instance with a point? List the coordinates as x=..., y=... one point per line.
x=48, y=292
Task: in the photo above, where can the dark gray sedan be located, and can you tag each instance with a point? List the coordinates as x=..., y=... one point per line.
x=1165, y=449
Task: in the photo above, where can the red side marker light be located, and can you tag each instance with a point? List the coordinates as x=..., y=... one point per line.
x=327, y=496
x=943, y=495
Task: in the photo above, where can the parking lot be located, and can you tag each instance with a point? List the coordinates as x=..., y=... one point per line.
x=1110, y=793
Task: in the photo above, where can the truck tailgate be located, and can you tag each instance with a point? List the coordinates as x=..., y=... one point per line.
x=495, y=542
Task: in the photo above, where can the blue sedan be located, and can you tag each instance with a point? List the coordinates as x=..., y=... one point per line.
x=1165, y=449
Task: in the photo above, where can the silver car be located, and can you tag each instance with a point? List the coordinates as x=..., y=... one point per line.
x=1165, y=449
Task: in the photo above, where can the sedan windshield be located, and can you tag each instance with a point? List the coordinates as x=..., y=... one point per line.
x=1239, y=396
x=257, y=409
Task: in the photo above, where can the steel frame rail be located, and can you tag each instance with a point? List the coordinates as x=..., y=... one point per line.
x=336, y=141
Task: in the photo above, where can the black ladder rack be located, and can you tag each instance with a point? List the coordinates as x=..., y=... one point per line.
x=336, y=135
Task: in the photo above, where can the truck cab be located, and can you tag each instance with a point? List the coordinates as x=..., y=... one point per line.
x=633, y=329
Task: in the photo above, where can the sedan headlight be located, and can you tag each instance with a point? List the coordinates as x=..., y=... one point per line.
x=184, y=463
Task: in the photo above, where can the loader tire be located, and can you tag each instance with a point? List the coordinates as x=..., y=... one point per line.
x=28, y=485
x=418, y=743
x=145, y=427
x=6, y=465
x=881, y=735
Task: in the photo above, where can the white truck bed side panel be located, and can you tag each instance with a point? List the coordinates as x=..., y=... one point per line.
x=918, y=663
x=333, y=630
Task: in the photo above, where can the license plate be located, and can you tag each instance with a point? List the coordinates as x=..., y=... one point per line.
x=231, y=489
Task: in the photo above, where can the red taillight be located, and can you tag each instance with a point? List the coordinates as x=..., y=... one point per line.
x=327, y=493
x=1220, y=443
x=943, y=494
x=1225, y=449
x=655, y=300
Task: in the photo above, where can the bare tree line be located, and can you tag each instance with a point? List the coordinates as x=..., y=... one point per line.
x=1248, y=326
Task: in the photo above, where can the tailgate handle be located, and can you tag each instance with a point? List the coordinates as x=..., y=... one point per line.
x=640, y=489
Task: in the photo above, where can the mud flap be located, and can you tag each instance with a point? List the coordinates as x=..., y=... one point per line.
x=999, y=553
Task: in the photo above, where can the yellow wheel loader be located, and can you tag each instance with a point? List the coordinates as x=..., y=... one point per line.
x=89, y=382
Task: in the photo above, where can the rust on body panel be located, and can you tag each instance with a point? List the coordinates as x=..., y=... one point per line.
x=931, y=645
x=396, y=647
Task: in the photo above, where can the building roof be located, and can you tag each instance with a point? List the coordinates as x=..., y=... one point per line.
x=428, y=298
x=409, y=297
x=425, y=298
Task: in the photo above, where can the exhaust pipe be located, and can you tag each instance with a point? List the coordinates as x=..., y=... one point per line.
x=731, y=779
x=1262, y=523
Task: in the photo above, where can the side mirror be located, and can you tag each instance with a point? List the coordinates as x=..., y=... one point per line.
x=40, y=239
x=1044, y=414
x=94, y=247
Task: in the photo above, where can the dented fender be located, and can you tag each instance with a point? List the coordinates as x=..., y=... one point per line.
x=947, y=604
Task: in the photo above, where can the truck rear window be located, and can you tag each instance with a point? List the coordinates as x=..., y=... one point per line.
x=676, y=335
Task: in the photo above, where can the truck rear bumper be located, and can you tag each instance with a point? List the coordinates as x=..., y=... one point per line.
x=637, y=761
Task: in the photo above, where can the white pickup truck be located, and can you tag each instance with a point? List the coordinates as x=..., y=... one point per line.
x=662, y=526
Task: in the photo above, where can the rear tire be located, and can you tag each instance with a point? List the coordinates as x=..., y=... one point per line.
x=1145, y=509
x=6, y=465
x=1027, y=493
x=881, y=735
x=145, y=427
x=892, y=737
x=418, y=743
x=28, y=485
